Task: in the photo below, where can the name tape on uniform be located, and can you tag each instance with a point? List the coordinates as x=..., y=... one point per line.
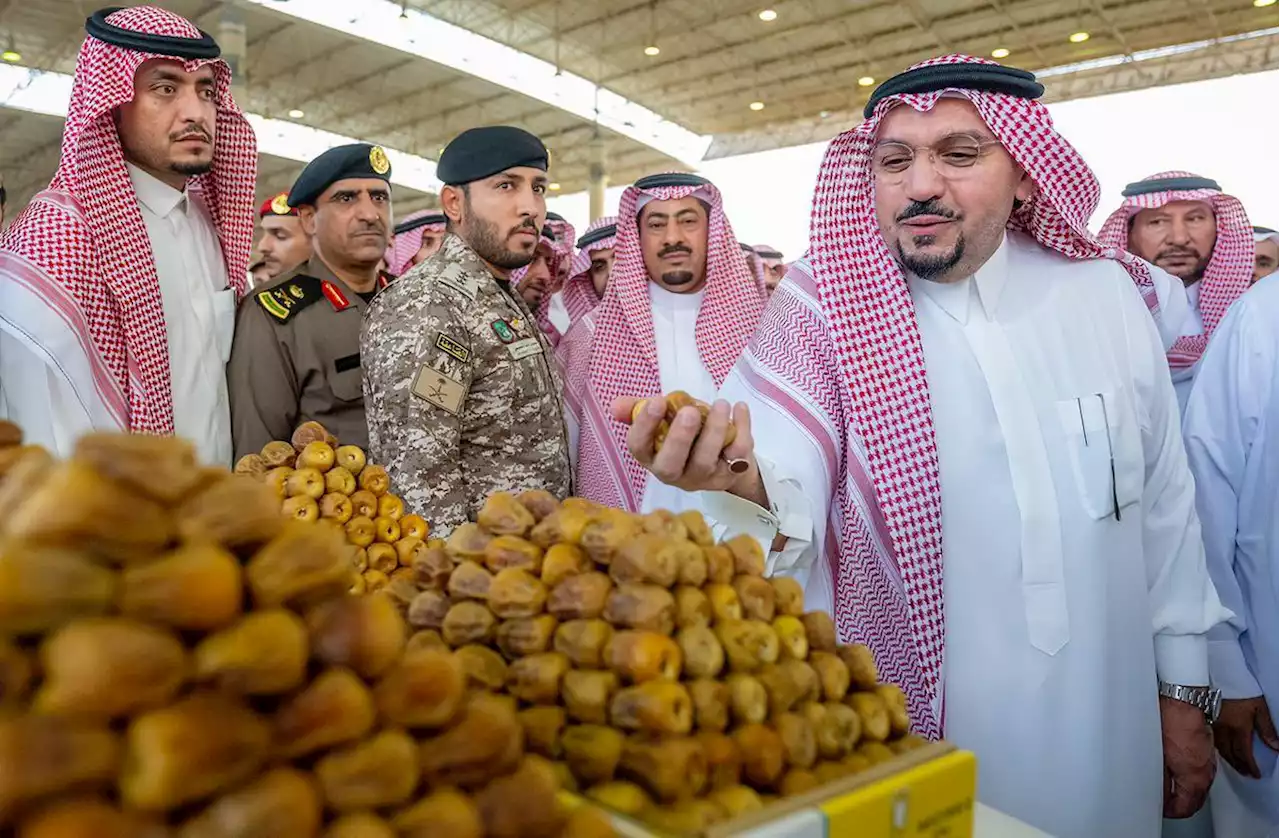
x=525, y=348
x=439, y=389
x=452, y=348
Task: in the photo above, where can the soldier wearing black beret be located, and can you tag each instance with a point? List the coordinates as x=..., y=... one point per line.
x=461, y=393
x=296, y=352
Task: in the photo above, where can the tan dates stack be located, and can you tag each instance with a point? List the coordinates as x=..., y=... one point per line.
x=666, y=676
x=178, y=660
x=318, y=479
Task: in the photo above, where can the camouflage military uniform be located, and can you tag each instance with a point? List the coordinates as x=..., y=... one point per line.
x=460, y=392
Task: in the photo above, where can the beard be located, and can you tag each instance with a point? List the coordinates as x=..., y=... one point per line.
x=1190, y=277
x=931, y=266
x=191, y=168
x=489, y=245
x=677, y=279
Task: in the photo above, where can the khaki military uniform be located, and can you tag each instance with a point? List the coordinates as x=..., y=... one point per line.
x=460, y=390
x=296, y=358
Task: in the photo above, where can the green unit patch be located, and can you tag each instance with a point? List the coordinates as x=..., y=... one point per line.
x=503, y=331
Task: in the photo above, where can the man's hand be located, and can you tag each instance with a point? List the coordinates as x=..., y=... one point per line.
x=1233, y=733
x=694, y=456
x=1189, y=764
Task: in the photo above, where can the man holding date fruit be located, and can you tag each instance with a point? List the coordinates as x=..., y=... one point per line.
x=959, y=429
x=679, y=307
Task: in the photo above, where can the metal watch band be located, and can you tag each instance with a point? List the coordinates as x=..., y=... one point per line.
x=1205, y=699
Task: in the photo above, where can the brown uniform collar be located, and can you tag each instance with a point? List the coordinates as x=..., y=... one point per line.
x=337, y=292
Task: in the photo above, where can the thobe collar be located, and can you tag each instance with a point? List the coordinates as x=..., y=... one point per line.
x=984, y=288
x=155, y=194
x=1193, y=295
x=666, y=300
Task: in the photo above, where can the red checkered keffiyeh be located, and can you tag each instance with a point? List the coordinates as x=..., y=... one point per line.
x=80, y=248
x=400, y=254
x=543, y=314
x=839, y=351
x=579, y=294
x=565, y=236
x=1230, y=269
x=611, y=352
x=562, y=245
x=755, y=264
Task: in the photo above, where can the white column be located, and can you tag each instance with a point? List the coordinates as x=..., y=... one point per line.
x=597, y=180
x=231, y=38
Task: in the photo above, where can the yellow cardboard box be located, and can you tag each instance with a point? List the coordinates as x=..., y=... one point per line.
x=925, y=793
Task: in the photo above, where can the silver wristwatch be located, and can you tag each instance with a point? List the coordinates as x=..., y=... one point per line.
x=1206, y=699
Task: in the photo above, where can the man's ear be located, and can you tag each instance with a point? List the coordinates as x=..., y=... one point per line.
x=452, y=199
x=1026, y=188
x=307, y=217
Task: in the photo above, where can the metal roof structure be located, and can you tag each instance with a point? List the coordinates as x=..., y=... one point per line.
x=633, y=85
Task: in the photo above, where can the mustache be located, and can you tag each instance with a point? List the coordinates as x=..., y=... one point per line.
x=674, y=248
x=1178, y=251
x=930, y=207
x=527, y=224
x=194, y=132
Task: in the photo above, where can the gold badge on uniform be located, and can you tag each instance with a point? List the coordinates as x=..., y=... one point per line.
x=435, y=387
x=452, y=348
x=378, y=160
x=280, y=204
x=296, y=292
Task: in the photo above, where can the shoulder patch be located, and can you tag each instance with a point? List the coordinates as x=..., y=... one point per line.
x=288, y=298
x=456, y=277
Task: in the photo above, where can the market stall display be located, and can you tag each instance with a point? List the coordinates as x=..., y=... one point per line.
x=180, y=660
x=317, y=478
x=669, y=678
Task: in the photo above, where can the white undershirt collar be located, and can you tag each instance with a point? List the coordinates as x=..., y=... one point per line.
x=986, y=285
x=155, y=194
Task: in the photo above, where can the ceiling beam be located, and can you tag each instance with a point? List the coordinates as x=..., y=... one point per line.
x=1252, y=56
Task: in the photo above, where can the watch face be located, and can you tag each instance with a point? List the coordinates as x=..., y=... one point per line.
x=1215, y=705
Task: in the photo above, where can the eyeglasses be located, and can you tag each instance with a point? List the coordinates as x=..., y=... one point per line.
x=1111, y=454
x=950, y=157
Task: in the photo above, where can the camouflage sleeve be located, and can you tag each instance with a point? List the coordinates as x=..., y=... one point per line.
x=261, y=384
x=415, y=394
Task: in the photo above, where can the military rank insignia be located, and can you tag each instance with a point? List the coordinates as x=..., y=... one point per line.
x=334, y=295
x=284, y=301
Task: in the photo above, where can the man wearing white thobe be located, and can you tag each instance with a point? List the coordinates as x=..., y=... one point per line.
x=1266, y=251
x=679, y=307
x=118, y=284
x=199, y=317
x=965, y=439
x=1233, y=445
x=1186, y=225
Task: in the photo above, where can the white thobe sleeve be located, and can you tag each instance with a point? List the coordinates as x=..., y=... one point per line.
x=789, y=514
x=39, y=400
x=798, y=489
x=1222, y=421
x=1174, y=307
x=1184, y=605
